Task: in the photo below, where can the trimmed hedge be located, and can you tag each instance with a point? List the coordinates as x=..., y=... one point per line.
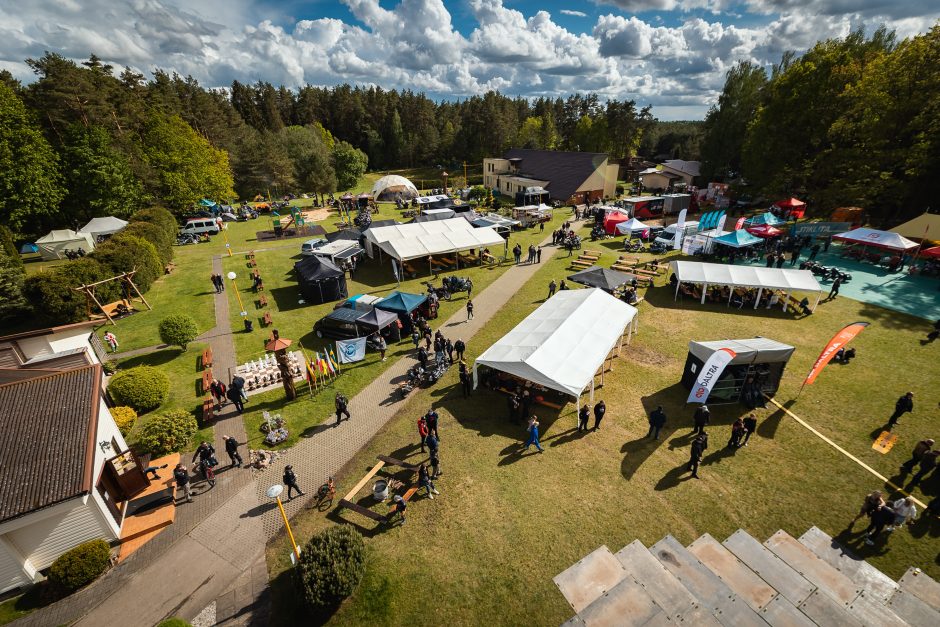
x=125, y=418
x=123, y=253
x=331, y=566
x=159, y=217
x=178, y=330
x=168, y=432
x=153, y=234
x=52, y=298
x=80, y=566
x=142, y=388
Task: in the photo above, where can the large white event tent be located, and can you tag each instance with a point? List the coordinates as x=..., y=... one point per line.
x=392, y=186
x=108, y=225
x=425, y=239
x=760, y=278
x=563, y=343
x=879, y=239
x=54, y=244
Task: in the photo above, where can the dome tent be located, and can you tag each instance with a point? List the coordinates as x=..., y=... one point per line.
x=389, y=187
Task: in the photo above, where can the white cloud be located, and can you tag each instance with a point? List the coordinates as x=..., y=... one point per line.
x=573, y=13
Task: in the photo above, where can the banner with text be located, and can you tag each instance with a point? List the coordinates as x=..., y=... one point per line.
x=839, y=340
x=819, y=229
x=711, y=370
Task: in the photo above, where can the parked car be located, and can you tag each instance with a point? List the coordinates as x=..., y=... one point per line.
x=200, y=226
x=309, y=247
x=340, y=324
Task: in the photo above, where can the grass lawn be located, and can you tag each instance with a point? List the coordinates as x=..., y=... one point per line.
x=485, y=551
x=12, y=609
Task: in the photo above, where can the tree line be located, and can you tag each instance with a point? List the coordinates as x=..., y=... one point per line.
x=855, y=121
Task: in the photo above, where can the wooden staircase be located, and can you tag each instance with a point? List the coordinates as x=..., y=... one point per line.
x=785, y=581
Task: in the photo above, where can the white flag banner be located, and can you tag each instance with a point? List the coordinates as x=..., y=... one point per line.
x=721, y=221
x=711, y=370
x=348, y=351
x=680, y=225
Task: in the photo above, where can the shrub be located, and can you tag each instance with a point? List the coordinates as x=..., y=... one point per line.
x=178, y=330
x=109, y=367
x=143, y=388
x=160, y=217
x=123, y=253
x=331, y=566
x=80, y=566
x=174, y=622
x=168, y=432
x=52, y=298
x=155, y=235
x=125, y=418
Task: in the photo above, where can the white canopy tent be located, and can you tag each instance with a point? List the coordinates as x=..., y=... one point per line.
x=424, y=239
x=108, y=225
x=54, y=244
x=391, y=186
x=879, y=239
x=757, y=277
x=631, y=226
x=563, y=343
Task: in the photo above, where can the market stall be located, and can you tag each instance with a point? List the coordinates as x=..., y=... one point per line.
x=402, y=304
x=320, y=280
x=381, y=321
x=791, y=208
x=603, y=278
x=755, y=369
x=783, y=282
x=633, y=226
x=738, y=239
x=766, y=218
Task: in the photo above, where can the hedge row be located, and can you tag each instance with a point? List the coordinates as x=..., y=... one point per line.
x=146, y=243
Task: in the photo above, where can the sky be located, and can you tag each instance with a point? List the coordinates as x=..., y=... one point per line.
x=671, y=54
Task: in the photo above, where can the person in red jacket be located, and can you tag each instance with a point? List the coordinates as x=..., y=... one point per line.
x=422, y=431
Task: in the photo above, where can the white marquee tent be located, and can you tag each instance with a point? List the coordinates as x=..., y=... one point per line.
x=423, y=239
x=757, y=277
x=54, y=244
x=103, y=226
x=389, y=187
x=563, y=343
x=630, y=226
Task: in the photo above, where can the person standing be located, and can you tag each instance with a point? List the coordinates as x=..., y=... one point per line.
x=459, y=348
x=399, y=505
x=449, y=349
x=750, y=426
x=904, y=512
x=782, y=257
x=431, y=418
x=562, y=285
x=234, y=394
x=699, y=446
x=423, y=357
x=737, y=432
x=657, y=421
x=424, y=481
x=881, y=516
x=834, y=291
x=701, y=418
x=920, y=449
x=533, y=435
x=415, y=337
x=599, y=410
x=813, y=251
x=583, y=414
x=435, y=461
x=469, y=310
x=382, y=345
x=215, y=282
x=342, y=407
x=217, y=389
x=873, y=501
x=517, y=253
x=290, y=480
x=112, y=341
x=927, y=463
x=231, y=447
x=770, y=259
x=422, y=432
x=181, y=476
x=515, y=406
x=541, y=227
x=466, y=381
x=903, y=405
x=538, y=251
x=552, y=286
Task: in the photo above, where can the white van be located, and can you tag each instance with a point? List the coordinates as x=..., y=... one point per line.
x=668, y=235
x=199, y=226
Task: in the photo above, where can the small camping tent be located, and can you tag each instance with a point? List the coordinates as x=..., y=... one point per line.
x=391, y=186
x=54, y=244
x=612, y=219
x=102, y=227
x=320, y=280
x=603, y=278
x=27, y=249
x=755, y=369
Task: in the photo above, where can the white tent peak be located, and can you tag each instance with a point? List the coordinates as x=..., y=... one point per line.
x=55, y=243
x=390, y=186
x=107, y=225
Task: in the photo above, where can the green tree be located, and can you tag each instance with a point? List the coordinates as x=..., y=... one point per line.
x=178, y=330
x=30, y=184
x=530, y=134
x=349, y=163
x=125, y=252
x=12, y=276
x=726, y=123
x=313, y=170
x=188, y=167
x=53, y=299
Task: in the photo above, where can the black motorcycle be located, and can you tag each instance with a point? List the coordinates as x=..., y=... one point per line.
x=573, y=242
x=657, y=248
x=633, y=246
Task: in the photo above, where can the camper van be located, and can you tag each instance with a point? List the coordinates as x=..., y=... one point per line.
x=201, y=225
x=668, y=235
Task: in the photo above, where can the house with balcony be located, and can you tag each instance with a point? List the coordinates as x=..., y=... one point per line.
x=568, y=177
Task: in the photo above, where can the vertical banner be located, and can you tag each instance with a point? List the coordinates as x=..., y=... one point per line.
x=839, y=340
x=680, y=225
x=721, y=221
x=395, y=271
x=740, y=223
x=711, y=370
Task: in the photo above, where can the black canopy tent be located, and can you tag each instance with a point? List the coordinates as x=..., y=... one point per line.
x=381, y=321
x=603, y=278
x=320, y=280
x=353, y=235
x=756, y=369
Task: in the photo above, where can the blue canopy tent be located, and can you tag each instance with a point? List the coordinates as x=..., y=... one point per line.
x=26, y=249
x=765, y=218
x=738, y=239
x=403, y=303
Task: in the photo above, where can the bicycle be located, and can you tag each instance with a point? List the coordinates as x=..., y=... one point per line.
x=207, y=472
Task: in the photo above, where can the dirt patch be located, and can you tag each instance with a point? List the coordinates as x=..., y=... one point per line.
x=646, y=356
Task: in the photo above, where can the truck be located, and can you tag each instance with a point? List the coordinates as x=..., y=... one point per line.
x=671, y=232
x=641, y=207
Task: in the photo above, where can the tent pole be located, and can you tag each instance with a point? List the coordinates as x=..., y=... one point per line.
x=786, y=301
x=676, y=295
x=475, y=375
x=757, y=300
x=730, y=294
x=592, y=389
x=818, y=296
x=704, y=292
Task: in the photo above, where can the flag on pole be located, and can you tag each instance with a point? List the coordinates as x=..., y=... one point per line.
x=329, y=363
x=333, y=360
x=740, y=223
x=839, y=340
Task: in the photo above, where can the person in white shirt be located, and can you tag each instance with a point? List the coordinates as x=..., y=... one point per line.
x=904, y=512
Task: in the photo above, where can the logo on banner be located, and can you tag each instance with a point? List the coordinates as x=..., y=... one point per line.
x=349, y=351
x=711, y=371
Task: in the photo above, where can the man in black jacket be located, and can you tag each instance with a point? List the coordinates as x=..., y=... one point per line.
x=290, y=480
x=599, y=410
x=459, y=348
x=904, y=405
x=657, y=421
x=583, y=415
x=699, y=446
x=750, y=426
x=181, y=476
x=231, y=447
x=341, y=403
x=701, y=418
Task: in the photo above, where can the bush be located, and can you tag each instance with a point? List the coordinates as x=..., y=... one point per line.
x=52, y=298
x=80, y=566
x=109, y=367
x=159, y=217
x=155, y=235
x=331, y=566
x=178, y=330
x=125, y=418
x=168, y=432
x=143, y=388
x=123, y=253
x=174, y=622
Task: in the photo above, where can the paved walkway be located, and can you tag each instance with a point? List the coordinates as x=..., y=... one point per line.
x=209, y=566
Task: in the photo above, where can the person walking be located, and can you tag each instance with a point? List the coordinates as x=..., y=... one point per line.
x=750, y=426
x=433, y=443
x=657, y=421
x=231, y=447
x=538, y=251
x=599, y=410
x=517, y=253
x=903, y=405
x=533, y=435
x=415, y=337
x=781, y=258
x=459, y=348
x=290, y=480
x=920, y=449
x=737, y=432
x=873, y=500
x=428, y=338
x=422, y=432
x=423, y=357
x=435, y=461
x=399, y=505
x=541, y=227
x=699, y=446
x=431, y=419
x=469, y=310
x=424, y=481
x=834, y=291
x=181, y=476
x=814, y=251
x=466, y=381
x=583, y=414
x=904, y=512
x=701, y=418
x=770, y=259
x=382, y=345
x=342, y=407
x=215, y=283
x=449, y=349
x=552, y=286
x=515, y=406
x=112, y=341
x=880, y=517
x=927, y=463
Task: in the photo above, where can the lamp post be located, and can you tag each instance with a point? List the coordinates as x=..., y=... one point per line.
x=228, y=247
x=274, y=492
x=232, y=276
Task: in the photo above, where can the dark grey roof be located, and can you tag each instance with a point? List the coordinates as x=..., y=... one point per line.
x=564, y=171
x=344, y=314
x=51, y=422
x=604, y=278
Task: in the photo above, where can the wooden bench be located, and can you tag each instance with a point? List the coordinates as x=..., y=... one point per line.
x=581, y=265
x=266, y=319
x=410, y=492
x=250, y=255
x=208, y=411
x=622, y=268
x=207, y=358
x=206, y=380
x=645, y=273
x=262, y=301
x=252, y=263
x=628, y=260
x=592, y=253
x=658, y=268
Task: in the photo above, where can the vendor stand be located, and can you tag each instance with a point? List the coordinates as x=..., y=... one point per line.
x=755, y=370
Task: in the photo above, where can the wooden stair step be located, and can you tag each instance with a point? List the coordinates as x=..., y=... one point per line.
x=769, y=567
x=626, y=604
x=735, y=612
x=826, y=611
x=696, y=617
x=662, y=585
x=866, y=576
x=781, y=613
x=805, y=562
x=910, y=608
x=593, y=575
x=871, y=611
x=742, y=580
x=924, y=587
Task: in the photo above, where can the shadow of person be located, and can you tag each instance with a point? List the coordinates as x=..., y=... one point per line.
x=719, y=454
x=767, y=428
x=564, y=437
x=673, y=478
x=635, y=453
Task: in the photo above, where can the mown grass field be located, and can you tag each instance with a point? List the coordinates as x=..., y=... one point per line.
x=485, y=551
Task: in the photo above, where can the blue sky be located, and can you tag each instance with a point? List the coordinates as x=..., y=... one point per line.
x=671, y=54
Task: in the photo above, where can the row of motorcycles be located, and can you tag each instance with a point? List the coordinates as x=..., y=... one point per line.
x=419, y=376
x=825, y=272
x=450, y=285
x=636, y=246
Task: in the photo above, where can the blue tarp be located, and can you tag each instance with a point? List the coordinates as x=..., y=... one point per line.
x=765, y=218
x=205, y=202
x=738, y=239
x=26, y=249
x=401, y=302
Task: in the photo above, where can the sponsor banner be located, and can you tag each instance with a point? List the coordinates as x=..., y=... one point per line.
x=680, y=224
x=711, y=370
x=839, y=340
x=740, y=223
x=819, y=229
x=349, y=351
x=721, y=221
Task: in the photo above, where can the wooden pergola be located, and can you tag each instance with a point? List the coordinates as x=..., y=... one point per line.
x=127, y=278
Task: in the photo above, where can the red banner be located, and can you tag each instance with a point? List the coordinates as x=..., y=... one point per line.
x=838, y=341
x=739, y=224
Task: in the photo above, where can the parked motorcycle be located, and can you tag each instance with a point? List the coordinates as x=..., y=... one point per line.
x=187, y=238
x=657, y=248
x=633, y=246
